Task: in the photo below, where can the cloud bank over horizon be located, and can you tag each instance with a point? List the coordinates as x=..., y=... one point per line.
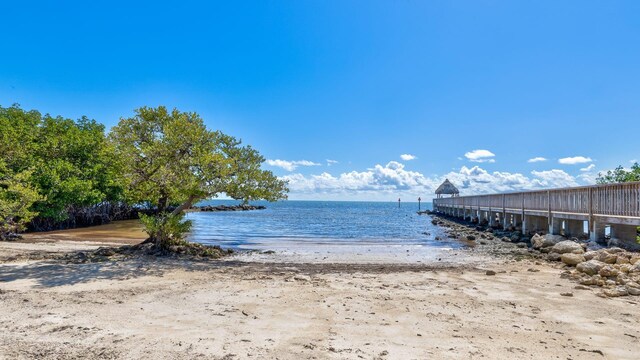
x=387, y=182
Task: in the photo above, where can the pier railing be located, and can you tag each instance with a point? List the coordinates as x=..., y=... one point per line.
x=603, y=200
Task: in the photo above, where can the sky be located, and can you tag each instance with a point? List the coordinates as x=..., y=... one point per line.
x=353, y=100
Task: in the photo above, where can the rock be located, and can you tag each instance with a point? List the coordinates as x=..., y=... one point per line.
x=566, y=247
x=590, y=267
x=569, y=294
x=634, y=260
x=591, y=255
x=608, y=271
x=572, y=259
x=616, y=291
x=635, y=268
x=471, y=237
x=625, y=268
x=506, y=239
x=490, y=272
x=301, y=278
x=615, y=250
x=607, y=258
x=632, y=290
x=515, y=238
x=539, y=241
x=521, y=245
x=553, y=256
x=582, y=287
x=621, y=259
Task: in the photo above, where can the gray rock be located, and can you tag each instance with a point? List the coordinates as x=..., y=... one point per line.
x=616, y=291
x=490, y=272
x=590, y=267
x=553, y=256
x=539, y=241
x=633, y=291
x=572, y=259
x=567, y=247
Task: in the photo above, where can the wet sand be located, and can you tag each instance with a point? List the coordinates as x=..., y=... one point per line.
x=267, y=307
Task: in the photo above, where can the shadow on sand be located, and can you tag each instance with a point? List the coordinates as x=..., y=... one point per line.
x=49, y=274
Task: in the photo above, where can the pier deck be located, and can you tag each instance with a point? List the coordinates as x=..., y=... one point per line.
x=567, y=211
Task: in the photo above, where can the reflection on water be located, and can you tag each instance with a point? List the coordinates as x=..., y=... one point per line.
x=125, y=231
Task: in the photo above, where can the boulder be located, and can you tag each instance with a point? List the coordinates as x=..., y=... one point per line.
x=633, y=290
x=608, y=271
x=591, y=255
x=621, y=259
x=553, y=256
x=539, y=241
x=590, y=267
x=567, y=247
x=572, y=259
x=616, y=291
x=607, y=257
x=634, y=259
x=635, y=268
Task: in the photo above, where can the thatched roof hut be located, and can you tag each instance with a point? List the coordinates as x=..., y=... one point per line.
x=447, y=188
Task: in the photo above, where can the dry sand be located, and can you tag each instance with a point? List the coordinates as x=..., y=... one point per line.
x=248, y=307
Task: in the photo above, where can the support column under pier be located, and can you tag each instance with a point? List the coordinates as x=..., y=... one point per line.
x=506, y=220
x=625, y=233
x=535, y=224
x=574, y=228
x=555, y=226
x=597, y=231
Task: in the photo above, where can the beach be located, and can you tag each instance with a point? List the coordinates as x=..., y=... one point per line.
x=265, y=306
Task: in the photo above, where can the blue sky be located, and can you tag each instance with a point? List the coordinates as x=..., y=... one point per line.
x=472, y=90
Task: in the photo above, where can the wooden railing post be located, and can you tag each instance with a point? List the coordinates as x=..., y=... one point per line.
x=549, y=220
x=590, y=210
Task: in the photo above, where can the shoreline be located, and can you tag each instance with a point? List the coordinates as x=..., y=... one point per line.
x=265, y=306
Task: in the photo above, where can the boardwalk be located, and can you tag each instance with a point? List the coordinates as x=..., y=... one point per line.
x=565, y=211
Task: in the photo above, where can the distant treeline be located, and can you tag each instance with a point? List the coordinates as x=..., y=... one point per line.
x=65, y=168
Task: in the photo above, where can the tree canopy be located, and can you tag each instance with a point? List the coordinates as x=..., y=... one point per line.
x=54, y=168
x=620, y=175
x=170, y=160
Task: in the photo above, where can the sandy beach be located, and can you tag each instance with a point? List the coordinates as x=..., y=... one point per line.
x=266, y=307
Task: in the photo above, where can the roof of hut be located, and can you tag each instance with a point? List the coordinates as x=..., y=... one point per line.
x=447, y=188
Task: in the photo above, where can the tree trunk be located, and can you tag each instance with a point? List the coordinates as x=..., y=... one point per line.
x=185, y=205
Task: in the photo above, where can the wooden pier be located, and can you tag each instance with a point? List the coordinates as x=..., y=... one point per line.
x=565, y=211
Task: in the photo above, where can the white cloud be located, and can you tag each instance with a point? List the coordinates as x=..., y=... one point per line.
x=575, y=160
x=553, y=179
x=480, y=156
x=588, y=168
x=633, y=161
x=393, y=179
x=331, y=162
x=407, y=157
x=537, y=159
x=290, y=165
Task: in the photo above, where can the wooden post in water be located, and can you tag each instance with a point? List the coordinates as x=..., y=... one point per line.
x=419, y=199
x=398, y=203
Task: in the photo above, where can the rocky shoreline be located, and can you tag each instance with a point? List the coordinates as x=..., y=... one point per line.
x=211, y=208
x=614, y=271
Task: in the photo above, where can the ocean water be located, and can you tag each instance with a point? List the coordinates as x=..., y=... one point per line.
x=375, y=229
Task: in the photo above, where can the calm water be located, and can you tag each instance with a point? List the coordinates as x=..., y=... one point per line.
x=313, y=225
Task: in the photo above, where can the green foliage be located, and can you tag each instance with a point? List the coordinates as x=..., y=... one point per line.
x=16, y=197
x=620, y=175
x=70, y=163
x=170, y=228
x=170, y=158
